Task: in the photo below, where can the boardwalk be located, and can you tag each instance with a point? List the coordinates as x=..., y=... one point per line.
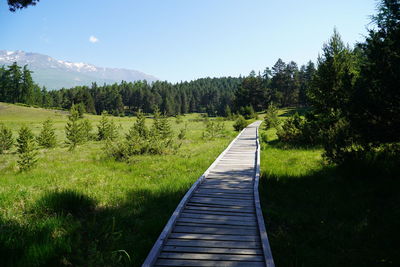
x=219, y=220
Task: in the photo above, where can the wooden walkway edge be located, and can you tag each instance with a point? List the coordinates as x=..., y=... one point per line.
x=219, y=221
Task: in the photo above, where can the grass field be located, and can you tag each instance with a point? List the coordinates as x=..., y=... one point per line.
x=321, y=215
x=79, y=208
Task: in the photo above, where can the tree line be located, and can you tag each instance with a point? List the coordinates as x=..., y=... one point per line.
x=285, y=85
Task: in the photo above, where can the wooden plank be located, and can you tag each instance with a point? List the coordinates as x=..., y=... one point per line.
x=221, y=226
x=216, y=257
x=248, y=215
x=175, y=262
x=215, y=230
x=219, y=221
x=233, y=251
x=217, y=217
x=219, y=209
x=214, y=237
x=219, y=206
x=212, y=243
x=239, y=202
x=245, y=192
x=225, y=196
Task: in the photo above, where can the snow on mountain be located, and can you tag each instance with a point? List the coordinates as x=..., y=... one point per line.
x=56, y=74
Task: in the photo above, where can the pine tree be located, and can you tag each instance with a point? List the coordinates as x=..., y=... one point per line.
x=47, y=137
x=73, y=129
x=106, y=128
x=6, y=139
x=140, y=125
x=26, y=87
x=26, y=149
x=271, y=119
x=87, y=129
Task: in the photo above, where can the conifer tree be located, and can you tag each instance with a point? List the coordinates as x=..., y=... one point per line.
x=140, y=125
x=106, y=128
x=26, y=149
x=271, y=119
x=47, y=137
x=6, y=139
x=73, y=129
x=87, y=129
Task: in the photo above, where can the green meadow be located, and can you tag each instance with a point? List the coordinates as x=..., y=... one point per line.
x=84, y=209
x=81, y=208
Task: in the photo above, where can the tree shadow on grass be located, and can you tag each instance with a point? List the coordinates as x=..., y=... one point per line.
x=338, y=216
x=68, y=228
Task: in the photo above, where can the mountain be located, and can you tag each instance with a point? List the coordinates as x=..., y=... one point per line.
x=56, y=74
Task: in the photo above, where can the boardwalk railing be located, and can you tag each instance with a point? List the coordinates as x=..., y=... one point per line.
x=215, y=205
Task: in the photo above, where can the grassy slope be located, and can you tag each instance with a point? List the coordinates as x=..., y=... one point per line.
x=80, y=208
x=319, y=215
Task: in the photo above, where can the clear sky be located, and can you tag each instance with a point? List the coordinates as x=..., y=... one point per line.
x=183, y=39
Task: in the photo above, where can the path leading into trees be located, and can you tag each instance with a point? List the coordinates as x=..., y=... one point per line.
x=219, y=221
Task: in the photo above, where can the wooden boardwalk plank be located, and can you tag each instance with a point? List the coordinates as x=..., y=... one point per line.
x=202, y=256
x=175, y=262
x=232, y=251
x=215, y=230
x=218, y=221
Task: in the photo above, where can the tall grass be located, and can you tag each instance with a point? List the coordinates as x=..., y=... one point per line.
x=81, y=208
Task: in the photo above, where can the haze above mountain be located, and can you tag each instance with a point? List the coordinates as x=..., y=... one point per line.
x=56, y=74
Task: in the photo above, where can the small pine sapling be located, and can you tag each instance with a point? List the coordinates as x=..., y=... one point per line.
x=47, y=137
x=6, y=139
x=26, y=149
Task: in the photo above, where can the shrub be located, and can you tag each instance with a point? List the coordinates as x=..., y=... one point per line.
x=301, y=131
x=340, y=145
x=6, y=139
x=106, y=129
x=291, y=130
x=248, y=112
x=240, y=123
x=271, y=119
x=214, y=128
x=182, y=132
x=47, y=137
x=26, y=149
x=141, y=140
x=87, y=129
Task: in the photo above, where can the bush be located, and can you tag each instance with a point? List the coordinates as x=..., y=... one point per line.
x=271, y=119
x=26, y=149
x=6, y=139
x=140, y=140
x=291, y=131
x=240, y=123
x=87, y=129
x=47, y=137
x=301, y=131
x=106, y=129
x=248, y=112
x=182, y=132
x=340, y=145
x=214, y=129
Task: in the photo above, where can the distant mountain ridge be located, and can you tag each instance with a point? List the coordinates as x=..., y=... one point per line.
x=56, y=74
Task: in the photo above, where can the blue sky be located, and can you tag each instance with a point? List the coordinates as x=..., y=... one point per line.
x=183, y=39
